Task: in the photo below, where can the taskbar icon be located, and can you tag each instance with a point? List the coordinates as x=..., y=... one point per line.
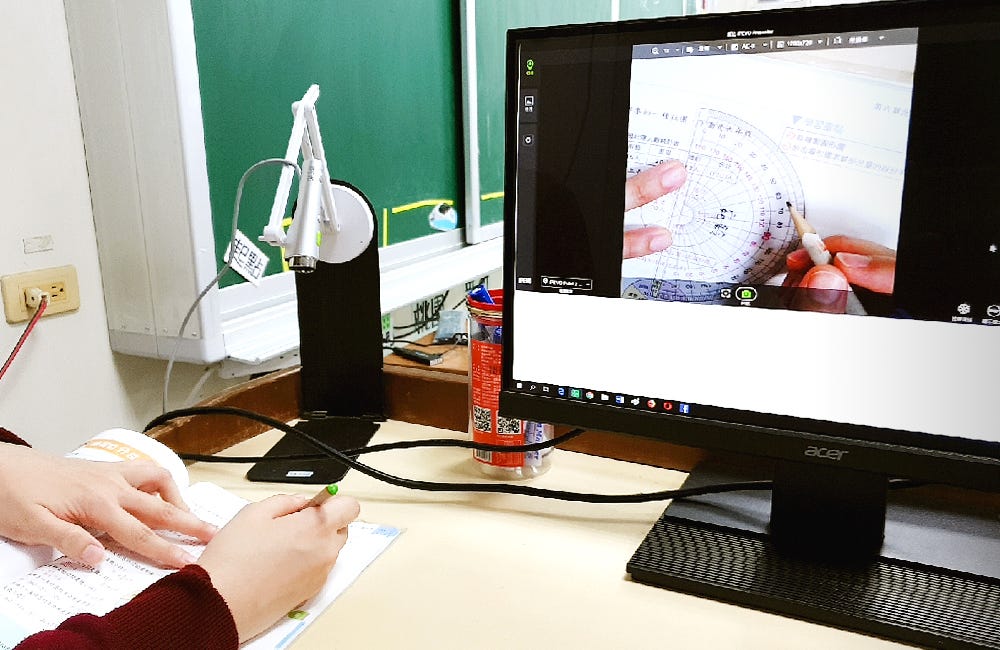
x=606, y=398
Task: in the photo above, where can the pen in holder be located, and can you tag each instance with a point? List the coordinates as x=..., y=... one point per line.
x=486, y=425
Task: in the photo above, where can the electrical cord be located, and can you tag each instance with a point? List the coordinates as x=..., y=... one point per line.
x=388, y=446
x=206, y=374
x=435, y=486
x=24, y=335
x=225, y=267
x=346, y=457
x=418, y=344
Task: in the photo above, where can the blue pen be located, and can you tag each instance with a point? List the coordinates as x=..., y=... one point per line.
x=482, y=295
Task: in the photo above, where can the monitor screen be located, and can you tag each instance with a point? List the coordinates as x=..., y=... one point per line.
x=770, y=233
x=655, y=260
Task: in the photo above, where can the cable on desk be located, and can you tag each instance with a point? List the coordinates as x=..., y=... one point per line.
x=435, y=486
x=392, y=340
x=386, y=446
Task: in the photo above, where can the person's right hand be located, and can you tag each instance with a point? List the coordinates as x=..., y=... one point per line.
x=857, y=262
x=646, y=186
x=274, y=555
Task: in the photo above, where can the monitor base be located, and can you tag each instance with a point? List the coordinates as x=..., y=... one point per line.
x=935, y=581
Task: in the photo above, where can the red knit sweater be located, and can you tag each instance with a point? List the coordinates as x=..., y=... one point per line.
x=182, y=610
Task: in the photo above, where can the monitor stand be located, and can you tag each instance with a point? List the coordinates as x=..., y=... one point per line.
x=934, y=580
x=339, y=433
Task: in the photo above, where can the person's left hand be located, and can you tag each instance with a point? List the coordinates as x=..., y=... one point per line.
x=56, y=501
x=646, y=186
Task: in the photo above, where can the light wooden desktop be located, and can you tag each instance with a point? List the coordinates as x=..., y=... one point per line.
x=506, y=571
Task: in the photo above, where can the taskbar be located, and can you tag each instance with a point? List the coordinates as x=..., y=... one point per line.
x=610, y=398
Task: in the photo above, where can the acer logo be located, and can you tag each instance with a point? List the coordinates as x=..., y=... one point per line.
x=823, y=452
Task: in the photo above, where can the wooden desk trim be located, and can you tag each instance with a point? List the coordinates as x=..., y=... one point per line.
x=275, y=394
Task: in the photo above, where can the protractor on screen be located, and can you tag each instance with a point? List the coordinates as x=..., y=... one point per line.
x=730, y=220
x=673, y=290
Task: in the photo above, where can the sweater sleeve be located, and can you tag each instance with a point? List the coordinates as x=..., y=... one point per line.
x=7, y=436
x=182, y=610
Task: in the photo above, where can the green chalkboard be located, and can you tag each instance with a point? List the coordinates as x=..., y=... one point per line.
x=493, y=19
x=388, y=107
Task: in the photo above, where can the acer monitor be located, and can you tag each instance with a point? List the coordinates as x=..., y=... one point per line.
x=774, y=235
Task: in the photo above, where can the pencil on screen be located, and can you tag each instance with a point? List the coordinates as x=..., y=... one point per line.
x=811, y=240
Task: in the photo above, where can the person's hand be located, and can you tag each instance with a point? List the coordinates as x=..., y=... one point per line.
x=54, y=501
x=274, y=555
x=856, y=262
x=644, y=187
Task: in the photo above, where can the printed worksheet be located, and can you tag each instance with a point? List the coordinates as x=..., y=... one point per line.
x=40, y=588
x=50, y=593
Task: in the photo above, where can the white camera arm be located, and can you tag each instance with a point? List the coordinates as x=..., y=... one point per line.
x=317, y=232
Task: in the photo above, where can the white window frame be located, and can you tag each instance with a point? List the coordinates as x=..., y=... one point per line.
x=140, y=106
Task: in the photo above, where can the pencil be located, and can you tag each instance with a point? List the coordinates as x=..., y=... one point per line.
x=322, y=495
x=811, y=241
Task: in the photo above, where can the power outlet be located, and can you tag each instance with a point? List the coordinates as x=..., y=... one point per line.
x=59, y=282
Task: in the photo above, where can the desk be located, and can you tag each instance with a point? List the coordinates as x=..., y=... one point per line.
x=512, y=572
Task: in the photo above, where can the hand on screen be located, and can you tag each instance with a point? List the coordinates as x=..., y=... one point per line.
x=644, y=187
x=855, y=262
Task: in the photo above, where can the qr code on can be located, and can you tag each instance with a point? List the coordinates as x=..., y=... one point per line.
x=508, y=426
x=482, y=419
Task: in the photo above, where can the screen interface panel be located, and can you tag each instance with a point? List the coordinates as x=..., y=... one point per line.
x=757, y=135
x=767, y=228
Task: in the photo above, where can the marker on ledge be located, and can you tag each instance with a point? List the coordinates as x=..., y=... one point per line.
x=482, y=295
x=323, y=495
x=811, y=240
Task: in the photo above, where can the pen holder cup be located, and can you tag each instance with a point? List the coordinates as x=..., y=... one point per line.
x=486, y=425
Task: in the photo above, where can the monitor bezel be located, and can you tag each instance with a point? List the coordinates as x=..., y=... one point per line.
x=956, y=461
